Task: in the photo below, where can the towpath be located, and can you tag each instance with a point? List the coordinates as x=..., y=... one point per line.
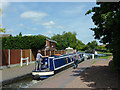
x=90, y=74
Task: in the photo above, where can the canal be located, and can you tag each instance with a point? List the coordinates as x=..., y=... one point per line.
x=28, y=81
x=22, y=83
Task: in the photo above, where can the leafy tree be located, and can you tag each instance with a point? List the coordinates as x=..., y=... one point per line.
x=20, y=34
x=67, y=39
x=107, y=19
x=2, y=29
x=92, y=45
x=80, y=45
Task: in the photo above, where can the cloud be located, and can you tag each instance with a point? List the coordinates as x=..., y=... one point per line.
x=49, y=24
x=20, y=25
x=48, y=33
x=61, y=27
x=32, y=15
x=27, y=35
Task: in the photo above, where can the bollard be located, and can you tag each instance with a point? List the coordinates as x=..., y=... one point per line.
x=92, y=56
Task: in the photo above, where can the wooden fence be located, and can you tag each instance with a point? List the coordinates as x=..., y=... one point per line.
x=10, y=57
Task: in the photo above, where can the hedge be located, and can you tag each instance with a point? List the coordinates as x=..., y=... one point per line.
x=23, y=42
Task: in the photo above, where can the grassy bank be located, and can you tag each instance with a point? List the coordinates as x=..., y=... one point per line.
x=104, y=53
x=105, y=57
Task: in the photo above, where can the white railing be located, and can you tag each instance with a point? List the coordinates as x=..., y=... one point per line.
x=22, y=59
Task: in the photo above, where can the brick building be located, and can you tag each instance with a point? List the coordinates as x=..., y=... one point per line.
x=50, y=45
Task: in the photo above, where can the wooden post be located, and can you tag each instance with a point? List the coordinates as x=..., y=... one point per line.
x=30, y=56
x=21, y=53
x=9, y=56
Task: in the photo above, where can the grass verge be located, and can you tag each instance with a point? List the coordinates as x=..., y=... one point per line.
x=105, y=57
x=94, y=62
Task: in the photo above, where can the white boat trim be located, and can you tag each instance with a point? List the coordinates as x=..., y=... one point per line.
x=53, y=64
x=64, y=57
x=64, y=65
x=43, y=73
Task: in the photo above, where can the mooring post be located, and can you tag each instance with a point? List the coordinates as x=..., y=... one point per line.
x=21, y=57
x=30, y=56
x=9, y=56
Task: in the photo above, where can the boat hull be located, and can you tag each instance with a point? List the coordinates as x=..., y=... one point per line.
x=42, y=74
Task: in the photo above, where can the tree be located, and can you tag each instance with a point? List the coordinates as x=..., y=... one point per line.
x=92, y=45
x=20, y=34
x=1, y=29
x=67, y=39
x=80, y=45
x=107, y=19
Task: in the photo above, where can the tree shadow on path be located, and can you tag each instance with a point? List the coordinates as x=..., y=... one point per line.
x=99, y=77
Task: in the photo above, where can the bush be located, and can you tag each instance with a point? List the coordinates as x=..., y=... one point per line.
x=25, y=42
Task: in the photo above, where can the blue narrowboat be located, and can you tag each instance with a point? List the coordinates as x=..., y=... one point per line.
x=51, y=64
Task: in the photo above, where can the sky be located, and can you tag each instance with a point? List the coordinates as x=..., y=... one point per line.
x=48, y=18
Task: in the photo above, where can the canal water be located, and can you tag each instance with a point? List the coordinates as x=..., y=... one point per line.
x=22, y=83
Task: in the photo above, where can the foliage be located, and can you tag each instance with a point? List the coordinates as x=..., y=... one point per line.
x=20, y=34
x=80, y=45
x=2, y=29
x=92, y=45
x=67, y=39
x=23, y=42
x=107, y=19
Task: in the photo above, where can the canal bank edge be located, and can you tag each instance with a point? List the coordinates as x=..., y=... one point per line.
x=14, y=79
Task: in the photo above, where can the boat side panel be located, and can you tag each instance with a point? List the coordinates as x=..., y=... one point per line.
x=59, y=62
x=51, y=64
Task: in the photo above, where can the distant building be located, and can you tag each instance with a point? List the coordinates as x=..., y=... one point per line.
x=50, y=44
x=5, y=35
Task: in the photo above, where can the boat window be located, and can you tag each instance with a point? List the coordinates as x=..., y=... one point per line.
x=66, y=60
x=71, y=59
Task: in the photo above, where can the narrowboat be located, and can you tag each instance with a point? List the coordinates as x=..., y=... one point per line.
x=51, y=64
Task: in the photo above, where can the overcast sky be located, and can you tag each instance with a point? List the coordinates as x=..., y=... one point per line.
x=48, y=18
